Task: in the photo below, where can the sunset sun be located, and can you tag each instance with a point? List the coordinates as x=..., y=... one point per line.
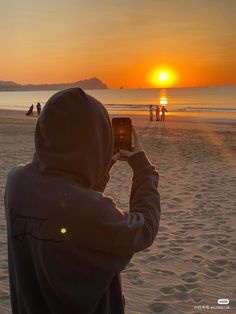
x=163, y=77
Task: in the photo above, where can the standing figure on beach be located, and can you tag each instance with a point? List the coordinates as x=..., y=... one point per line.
x=67, y=241
x=163, y=113
x=150, y=113
x=30, y=111
x=38, y=108
x=157, y=113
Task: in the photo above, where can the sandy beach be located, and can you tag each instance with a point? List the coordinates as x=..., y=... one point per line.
x=192, y=262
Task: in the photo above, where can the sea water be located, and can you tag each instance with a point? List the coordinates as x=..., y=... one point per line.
x=195, y=99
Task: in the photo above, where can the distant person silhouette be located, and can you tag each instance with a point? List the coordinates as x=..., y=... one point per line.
x=150, y=113
x=38, y=108
x=157, y=113
x=163, y=113
x=30, y=111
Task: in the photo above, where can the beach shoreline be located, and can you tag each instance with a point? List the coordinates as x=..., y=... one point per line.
x=177, y=119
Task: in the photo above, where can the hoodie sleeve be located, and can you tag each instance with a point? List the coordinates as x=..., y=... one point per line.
x=145, y=198
x=119, y=233
x=100, y=187
x=142, y=222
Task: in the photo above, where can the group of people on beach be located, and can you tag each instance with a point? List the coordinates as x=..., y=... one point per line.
x=160, y=113
x=30, y=112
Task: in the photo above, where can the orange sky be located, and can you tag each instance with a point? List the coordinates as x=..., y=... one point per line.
x=120, y=42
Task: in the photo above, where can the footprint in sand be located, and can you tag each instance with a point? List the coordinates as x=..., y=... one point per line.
x=160, y=307
x=164, y=272
x=223, y=241
x=212, y=241
x=163, y=229
x=197, y=295
x=189, y=240
x=215, y=267
x=199, y=225
x=222, y=252
x=187, y=228
x=232, y=265
x=177, y=292
x=178, y=241
x=160, y=246
x=176, y=250
x=176, y=199
x=220, y=262
x=168, y=272
x=133, y=276
x=173, y=289
x=191, y=286
x=151, y=259
x=181, y=232
x=189, y=277
x=197, y=259
x=226, y=229
x=206, y=248
x=211, y=274
x=233, y=246
x=171, y=205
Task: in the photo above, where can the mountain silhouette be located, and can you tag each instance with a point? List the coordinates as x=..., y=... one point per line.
x=92, y=83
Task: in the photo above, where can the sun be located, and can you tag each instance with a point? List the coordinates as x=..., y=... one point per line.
x=163, y=77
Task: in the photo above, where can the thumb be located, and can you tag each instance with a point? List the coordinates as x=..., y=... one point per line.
x=125, y=152
x=115, y=157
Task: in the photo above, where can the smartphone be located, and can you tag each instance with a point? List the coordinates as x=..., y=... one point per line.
x=122, y=132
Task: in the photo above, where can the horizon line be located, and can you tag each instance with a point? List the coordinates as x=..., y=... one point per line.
x=121, y=87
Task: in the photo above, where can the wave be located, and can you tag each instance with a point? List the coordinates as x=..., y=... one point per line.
x=142, y=107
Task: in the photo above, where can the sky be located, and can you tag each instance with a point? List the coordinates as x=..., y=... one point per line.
x=120, y=42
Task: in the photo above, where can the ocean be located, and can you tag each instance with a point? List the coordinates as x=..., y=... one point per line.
x=195, y=99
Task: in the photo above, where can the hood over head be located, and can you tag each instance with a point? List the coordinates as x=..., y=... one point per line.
x=74, y=136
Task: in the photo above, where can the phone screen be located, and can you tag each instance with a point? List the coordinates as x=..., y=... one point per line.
x=122, y=132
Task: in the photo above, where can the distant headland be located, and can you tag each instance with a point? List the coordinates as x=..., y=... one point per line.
x=92, y=83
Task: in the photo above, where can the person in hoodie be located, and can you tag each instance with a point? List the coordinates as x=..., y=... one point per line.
x=67, y=241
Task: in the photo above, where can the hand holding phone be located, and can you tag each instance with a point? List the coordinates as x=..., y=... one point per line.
x=124, y=154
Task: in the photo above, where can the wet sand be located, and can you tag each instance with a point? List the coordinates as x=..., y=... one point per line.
x=192, y=261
